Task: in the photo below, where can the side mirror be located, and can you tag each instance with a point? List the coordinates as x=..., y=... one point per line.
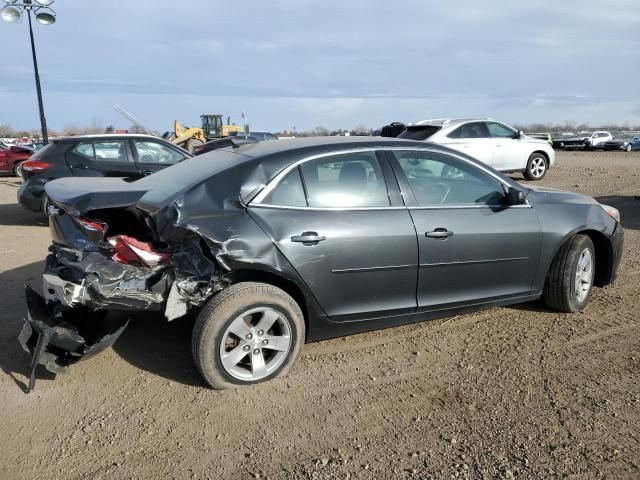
x=515, y=196
x=520, y=134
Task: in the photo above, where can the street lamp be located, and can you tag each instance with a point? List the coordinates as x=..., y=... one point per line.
x=12, y=12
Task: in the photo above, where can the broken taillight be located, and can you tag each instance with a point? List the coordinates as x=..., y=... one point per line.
x=92, y=225
x=35, y=166
x=129, y=250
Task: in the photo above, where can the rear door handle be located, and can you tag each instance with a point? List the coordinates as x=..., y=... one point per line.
x=439, y=233
x=308, y=237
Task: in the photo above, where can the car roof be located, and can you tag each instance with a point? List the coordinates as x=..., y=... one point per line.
x=441, y=122
x=263, y=149
x=243, y=171
x=105, y=136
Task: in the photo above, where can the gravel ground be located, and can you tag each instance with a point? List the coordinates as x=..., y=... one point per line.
x=515, y=392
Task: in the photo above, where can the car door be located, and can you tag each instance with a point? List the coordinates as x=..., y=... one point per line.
x=472, y=247
x=101, y=158
x=151, y=155
x=509, y=151
x=341, y=223
x=474, y=139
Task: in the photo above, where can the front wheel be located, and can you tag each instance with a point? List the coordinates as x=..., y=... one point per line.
x=570, y=278
x=249, y=333
x=536, y=167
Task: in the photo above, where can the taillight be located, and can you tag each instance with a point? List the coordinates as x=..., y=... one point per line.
x=128, y=250
x=92, y=225
x=35, y=166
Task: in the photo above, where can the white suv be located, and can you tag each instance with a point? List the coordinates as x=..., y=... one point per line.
x=492, y=142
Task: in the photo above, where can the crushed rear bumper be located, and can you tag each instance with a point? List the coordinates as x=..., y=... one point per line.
x=56, y=336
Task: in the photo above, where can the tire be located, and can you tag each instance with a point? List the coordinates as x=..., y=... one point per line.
x=561, y=290
x=17, y=170
x=193, y=143
x=537, y=166
x=242, y=307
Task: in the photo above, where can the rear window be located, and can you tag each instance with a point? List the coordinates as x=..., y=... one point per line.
x=419, y=132
x=170, y=181
x=43, y=151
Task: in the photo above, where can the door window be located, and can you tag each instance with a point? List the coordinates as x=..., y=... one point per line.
x=85, y=149
x=438, y=179
x=289, y=192
x=154, y=152
x=112, y=151
x=471, y=130
x=346, y=180
x=498, y=130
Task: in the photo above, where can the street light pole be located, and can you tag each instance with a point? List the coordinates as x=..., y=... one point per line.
x=12, y=13
x=43, y=120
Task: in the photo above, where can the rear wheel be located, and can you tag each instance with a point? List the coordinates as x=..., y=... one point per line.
x=249, y=333
x=570, y=278
x=536, y=166
x=17, y=170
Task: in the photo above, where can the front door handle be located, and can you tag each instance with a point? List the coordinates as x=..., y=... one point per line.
x=441, y=233
x=147, y=172
x=310, y=238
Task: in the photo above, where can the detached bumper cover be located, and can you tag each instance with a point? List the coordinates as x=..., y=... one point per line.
x=57, y=337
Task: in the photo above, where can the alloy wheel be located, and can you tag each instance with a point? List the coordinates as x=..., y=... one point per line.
x=584, y=274
x=255, y=344
x=538, y=167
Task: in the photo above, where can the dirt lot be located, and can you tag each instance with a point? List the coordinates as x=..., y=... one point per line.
x=517, y=392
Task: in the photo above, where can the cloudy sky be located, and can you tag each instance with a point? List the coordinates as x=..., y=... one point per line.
x=331, y=63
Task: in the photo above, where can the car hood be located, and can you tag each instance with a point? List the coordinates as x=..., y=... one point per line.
x=551, y=195
x=529, y=139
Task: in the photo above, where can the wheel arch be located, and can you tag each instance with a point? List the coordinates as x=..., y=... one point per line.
x=289, y=286
x=543, y=153
x=603, y=254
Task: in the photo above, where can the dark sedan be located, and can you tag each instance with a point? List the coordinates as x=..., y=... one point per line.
x=109, y=155
x=627, y=143
x=275, y=244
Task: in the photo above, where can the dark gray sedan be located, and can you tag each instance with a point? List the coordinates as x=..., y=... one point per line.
x=275, y=244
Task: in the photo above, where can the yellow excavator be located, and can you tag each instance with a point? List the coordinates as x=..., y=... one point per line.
x=212, y=127
x=188, y=137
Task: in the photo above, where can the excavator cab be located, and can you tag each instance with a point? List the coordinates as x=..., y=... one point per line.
x=212, y=125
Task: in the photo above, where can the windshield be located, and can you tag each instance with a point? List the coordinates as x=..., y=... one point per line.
x=419, y=132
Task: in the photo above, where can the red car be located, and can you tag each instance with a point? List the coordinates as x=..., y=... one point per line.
x=11, y=158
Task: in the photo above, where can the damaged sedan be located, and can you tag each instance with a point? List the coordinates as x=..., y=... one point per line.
x=274, y=244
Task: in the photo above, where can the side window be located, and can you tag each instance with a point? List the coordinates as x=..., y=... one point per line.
x=345, y=180
x=498, y=130
x=438, y=179
x=154, y=152
x=289, y=192
x=85, y=149
x=470, y=130
x=111, y=151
